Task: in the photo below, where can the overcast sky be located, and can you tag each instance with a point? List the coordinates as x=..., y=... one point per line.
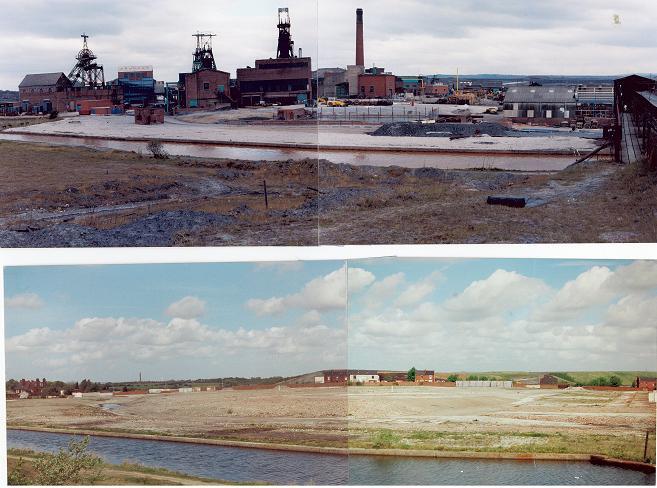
x=214, y=320
x=408, y=37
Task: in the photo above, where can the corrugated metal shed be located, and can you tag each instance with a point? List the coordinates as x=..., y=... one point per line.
x=651, y=97
x=540, y=94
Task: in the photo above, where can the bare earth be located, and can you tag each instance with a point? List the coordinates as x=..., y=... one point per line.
x=470, y=419
x=79, y=197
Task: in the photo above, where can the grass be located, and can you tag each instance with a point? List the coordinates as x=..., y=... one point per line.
x=126, y=473
x=628, y=446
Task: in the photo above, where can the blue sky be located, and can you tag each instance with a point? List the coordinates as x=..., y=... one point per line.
x=213, y=320
x=409, y=38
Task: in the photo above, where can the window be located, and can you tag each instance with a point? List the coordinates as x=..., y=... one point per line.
x=372, y=89
x=206, y=86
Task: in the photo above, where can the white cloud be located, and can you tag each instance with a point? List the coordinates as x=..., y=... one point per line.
x=501, y=291
x=416, y=292
x=186, y=308
x=323, y=293
x=30, y=301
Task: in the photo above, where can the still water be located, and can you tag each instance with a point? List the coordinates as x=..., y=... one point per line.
x=292, y=468
x=519, y=162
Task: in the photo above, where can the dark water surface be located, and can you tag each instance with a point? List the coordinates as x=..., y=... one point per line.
x=293, y=468
x=520, y=162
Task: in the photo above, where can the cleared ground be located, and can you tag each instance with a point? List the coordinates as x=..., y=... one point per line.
x=67, y=197
x=452, y=419
x=289, y=416
x=54, y=196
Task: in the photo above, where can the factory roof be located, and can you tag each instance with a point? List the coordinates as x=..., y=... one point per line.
x=41, y=79
x=650, y=96
x=544, y=94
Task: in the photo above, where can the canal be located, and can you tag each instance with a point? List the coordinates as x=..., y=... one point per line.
x=519, y=162
x=296, y=468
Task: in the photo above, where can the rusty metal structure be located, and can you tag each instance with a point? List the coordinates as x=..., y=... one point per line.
x=203, y=56
x=285, y=43
x=87, y=72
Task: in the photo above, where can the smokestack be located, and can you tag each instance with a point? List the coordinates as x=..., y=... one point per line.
x=360, y=49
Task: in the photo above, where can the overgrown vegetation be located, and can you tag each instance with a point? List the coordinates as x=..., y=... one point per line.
x=156, y=148
x=67, y=467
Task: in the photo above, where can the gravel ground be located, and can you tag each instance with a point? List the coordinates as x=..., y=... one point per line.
x=494, y=129
x=158, y=229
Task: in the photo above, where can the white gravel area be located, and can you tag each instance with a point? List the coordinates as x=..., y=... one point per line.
x=331, y=137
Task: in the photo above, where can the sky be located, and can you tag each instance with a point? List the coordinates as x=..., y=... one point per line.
x=110, y=323
x=505, y=315
x=192, y=321
x=597, y=37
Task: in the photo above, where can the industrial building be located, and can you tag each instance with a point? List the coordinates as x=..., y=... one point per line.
x=284, y=80
x=595, y=103
x=365, y=376
x=540, y=104
x=56, y=92
x=646, y=383
x=205, y=87
x=138, y=84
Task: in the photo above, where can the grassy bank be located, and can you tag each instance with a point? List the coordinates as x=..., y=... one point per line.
x=627, y=446
x=112, y=474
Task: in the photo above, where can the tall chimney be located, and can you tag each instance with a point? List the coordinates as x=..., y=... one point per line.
x=360, y=49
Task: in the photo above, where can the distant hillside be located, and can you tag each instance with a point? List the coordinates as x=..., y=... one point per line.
x=8, y=95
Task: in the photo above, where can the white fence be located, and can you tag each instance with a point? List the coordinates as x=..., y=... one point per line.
x=484, y=384
x=651, y=397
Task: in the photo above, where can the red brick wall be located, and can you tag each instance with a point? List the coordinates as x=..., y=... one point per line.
x=376, y=86
x=202, y=86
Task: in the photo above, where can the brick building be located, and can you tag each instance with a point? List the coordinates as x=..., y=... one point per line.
x=424, y=376
x=376, y=86
x=646, y=383
x=286, y=81
x=205, y=89
x=48, y=92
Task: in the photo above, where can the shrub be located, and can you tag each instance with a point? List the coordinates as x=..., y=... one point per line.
x=156, y=148
x=69, y=467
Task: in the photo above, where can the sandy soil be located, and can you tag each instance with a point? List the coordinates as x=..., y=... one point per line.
x=494, y=409
x=296, y=136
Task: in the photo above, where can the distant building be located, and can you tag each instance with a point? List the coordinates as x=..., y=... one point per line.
x=552, y=382
x=376, y=85
x=553, y=103
x=138, y=84
x=204, y=89
x=646, y=383
x=424, y=376
x=44, y=92
x=285, y=80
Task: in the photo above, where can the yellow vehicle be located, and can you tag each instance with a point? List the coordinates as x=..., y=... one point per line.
x=336, y=103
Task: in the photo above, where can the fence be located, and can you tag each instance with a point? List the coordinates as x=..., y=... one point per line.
x=378, y=114
x=484, y=384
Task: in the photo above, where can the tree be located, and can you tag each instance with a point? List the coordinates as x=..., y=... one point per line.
x=452, y=378
x=473, y=377
x=615, y=380
x=69, y=467
x=410, y=376
x=17, y=476
x=483, y=378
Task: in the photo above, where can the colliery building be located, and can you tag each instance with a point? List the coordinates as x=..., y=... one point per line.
x=205, y=87
x=285, y=80
x=138, y=84
x=540, y=104
x=49, y=92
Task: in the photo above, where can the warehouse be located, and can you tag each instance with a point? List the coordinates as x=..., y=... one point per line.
x=138, y=84
x=540, y=104
x=377, y=85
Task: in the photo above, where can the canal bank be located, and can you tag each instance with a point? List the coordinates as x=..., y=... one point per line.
x=355, y=451
x=297, y=467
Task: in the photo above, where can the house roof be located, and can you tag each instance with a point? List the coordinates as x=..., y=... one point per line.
x=41, y=79
x=540, y=94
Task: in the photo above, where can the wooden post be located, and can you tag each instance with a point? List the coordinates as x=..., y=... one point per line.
x=645, y=447
x=264, y=183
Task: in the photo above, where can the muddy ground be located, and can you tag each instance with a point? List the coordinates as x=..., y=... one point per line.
x=75, y=197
